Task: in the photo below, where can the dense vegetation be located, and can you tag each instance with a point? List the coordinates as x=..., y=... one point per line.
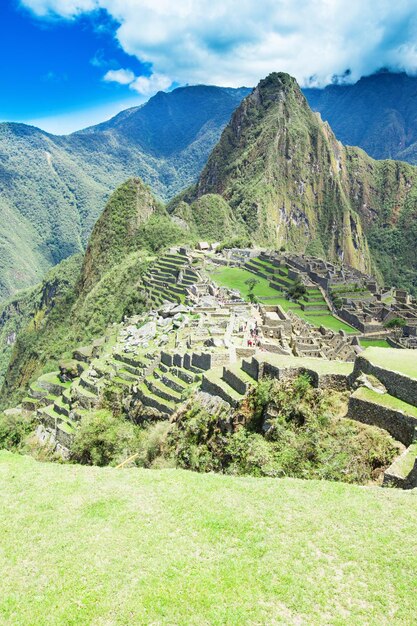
x=28, y=311
x=281, y=429
x=78, y=301
x=289, y=429
x=54, y=188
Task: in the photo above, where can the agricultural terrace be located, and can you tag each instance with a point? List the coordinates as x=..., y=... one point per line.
x=235, y=278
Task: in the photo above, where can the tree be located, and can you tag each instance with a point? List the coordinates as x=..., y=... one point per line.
x=396, y=324
x=251, y=283
x=296, y=291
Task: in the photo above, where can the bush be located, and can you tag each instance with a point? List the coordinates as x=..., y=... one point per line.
x=235, y=242
x=160, y=232
x=283, y=428
x=14, y=430
x=296, y=291
x=152, y=446
x=103, y=439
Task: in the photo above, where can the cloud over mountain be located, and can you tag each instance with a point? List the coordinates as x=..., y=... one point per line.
x=236, y=42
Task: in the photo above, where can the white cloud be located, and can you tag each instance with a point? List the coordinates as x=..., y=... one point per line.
x=63, y=8
x=122, y=76
x=148, y=86
x=144, y=85
x=237, y=42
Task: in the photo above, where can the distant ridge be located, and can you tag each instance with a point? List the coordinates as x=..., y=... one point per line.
x=378, y=114
x=53, y=188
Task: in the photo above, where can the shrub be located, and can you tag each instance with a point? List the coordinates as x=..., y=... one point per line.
x=152, y=446
x=283, y=428
x=103, y=439
x=296, y=291
x=14, y=430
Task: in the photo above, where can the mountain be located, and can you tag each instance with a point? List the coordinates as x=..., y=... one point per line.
x=80, y=297
x=52, y=189
x=277, y=177
x=378, y=114
x=289, y=182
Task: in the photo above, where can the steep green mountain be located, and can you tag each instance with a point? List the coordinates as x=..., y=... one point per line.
x=288, y=182
x=378, y=114
x=52, y=189
x=83, y=295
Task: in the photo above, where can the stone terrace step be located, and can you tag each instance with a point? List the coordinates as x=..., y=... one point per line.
x=86, y=398
x=179, y=259
x=170, y=380
x=403, y=471
x=158, y=388
x=238, y=379
x=167, y=266
x=90, y=384
x=61, y=408
x=214, y=385
x=83, y=353
x=137, y=361
x=149, y=399
x=52, y=384
x=385, y=411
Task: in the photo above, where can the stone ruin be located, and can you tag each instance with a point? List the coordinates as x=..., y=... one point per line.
x=198, y=335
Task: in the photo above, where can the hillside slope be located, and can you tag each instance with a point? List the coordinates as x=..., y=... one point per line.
x=176, y=547
x=52, y=189
x=85, y=294
x=289, y=182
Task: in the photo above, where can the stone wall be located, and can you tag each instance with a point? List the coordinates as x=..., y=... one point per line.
x=393, y=475
x=234, y=381
x=252, y=367
x=400, y=426
x=364, y=327
x=397, y=384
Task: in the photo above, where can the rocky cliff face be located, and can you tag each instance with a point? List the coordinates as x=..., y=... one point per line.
x=291, y=183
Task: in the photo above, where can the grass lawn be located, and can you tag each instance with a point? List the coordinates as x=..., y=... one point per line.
x=374, y=343
x=384, y=399
x=107, y=547
x=402, y=361
x=235, y=277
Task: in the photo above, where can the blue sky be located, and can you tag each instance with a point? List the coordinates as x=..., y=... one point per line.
x=52, y=70
x=66, y=64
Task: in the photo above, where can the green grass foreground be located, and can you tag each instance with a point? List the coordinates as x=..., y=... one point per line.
x=84, y=545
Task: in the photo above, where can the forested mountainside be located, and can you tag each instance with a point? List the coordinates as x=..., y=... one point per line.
x=52, y=189
x=288, y=181
x=83, y=295
x=378, y=114
x=278, y=177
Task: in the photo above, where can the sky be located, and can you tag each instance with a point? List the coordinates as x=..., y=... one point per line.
x=66, y=64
